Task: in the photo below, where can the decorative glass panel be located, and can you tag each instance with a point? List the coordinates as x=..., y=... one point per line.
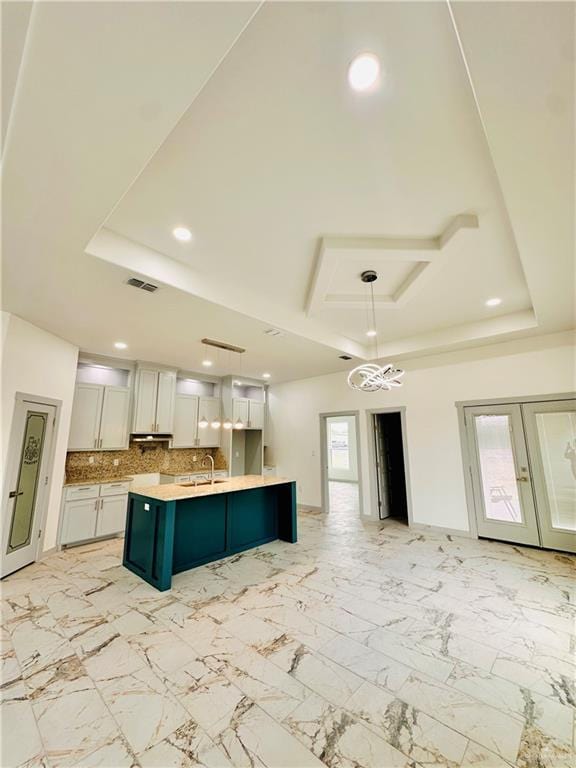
x=497, y=469
x=557, y=437
x=27, y=486
x=339, y=445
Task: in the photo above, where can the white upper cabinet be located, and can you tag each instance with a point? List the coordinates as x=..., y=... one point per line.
x=155, y=396
x=256, y=415
x=185, y=432
x=99, y=418
x=209, y=408
x=86, y=414
x=145, y=401
x=165, y=403
x=114, y=422
x=250, y=412
x=241, y=410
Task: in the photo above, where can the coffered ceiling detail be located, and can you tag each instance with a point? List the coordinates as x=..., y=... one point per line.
x=202, y=116
x=403, y=265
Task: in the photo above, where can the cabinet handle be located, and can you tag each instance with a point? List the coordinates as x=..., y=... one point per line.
x=95, y=442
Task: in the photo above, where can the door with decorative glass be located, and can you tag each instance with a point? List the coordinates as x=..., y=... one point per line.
x=551, y=436
x=26, y=483
x=503, y=499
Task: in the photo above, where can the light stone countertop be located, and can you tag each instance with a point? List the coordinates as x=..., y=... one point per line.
x=99, y=481
x=176, y=491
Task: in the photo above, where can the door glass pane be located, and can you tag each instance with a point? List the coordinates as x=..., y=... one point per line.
x=338, y=444
x=27, y=486
x=557, y=437
x=497, y=469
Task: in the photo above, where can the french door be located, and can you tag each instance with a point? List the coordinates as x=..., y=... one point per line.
x=523, y=472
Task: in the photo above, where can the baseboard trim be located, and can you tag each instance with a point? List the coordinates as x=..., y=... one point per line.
x=308, y=508
x=441, y=529
x=47, y=553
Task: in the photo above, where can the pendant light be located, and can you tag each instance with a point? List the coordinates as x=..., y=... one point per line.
x=370, y=377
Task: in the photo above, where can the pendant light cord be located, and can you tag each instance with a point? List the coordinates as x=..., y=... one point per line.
x=374, y=319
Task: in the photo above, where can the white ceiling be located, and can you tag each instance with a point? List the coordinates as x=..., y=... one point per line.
x=239, y=124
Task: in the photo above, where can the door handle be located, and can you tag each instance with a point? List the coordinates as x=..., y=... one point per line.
x=522, y=479
x=13, y=494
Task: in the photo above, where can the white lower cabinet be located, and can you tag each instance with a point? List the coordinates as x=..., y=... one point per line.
x=79, y=520
x=103, y=513
x=111, y=515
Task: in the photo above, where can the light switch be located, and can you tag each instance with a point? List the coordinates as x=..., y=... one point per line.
x=116, y=462
x=146, y=507
x=90, y=459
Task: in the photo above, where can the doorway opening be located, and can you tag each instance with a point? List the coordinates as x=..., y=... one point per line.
x=390, y=465
x=341, y=465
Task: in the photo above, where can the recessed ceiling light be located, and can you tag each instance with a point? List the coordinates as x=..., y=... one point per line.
x=206, y=363
x=371, y=332
x=266, y=375
x=183, y=234
x=364, y=72
x=120, y=345
x=493, y=302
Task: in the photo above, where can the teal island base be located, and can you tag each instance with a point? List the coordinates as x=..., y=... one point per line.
x=165, y=537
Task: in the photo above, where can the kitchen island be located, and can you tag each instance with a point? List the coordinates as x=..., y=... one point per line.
x=177, y=526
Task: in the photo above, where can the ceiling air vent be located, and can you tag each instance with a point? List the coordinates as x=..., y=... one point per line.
x=344, y=357
x=137, y=283
x=273, y=332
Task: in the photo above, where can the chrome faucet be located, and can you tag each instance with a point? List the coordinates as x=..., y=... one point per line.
x=211, y=459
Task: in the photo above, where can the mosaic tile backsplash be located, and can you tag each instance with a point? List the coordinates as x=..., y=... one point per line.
x=138, y=461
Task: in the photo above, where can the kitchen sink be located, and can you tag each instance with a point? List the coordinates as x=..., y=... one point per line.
x=202, y=482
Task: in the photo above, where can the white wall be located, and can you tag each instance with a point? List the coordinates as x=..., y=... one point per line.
x=432, y=386
x=37, y=363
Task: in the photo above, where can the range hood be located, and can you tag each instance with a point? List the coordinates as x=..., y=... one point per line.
x=142, y=438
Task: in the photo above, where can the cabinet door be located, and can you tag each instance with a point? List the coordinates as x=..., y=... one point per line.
x=112, y=515
x=145, y=405
x=185, y=421
x=210, y=408
x=85, y=421
x=79, y=521
x=165, y=405
x=114, y=423
x=240, y=410
x=256, y=420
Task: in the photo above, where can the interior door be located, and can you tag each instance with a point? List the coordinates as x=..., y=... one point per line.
x=185, y=421
x=114, y=422
x=551, y=437
x=504, y=502
x=85, y=420
x=26, y=483
x=381, y=468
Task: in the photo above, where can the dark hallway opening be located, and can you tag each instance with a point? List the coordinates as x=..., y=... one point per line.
x=390, y=466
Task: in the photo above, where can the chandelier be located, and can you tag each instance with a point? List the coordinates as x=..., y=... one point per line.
x=370, y=377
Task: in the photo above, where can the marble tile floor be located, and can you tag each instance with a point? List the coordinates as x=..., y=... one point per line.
x=343, y=497
x=362, y=646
